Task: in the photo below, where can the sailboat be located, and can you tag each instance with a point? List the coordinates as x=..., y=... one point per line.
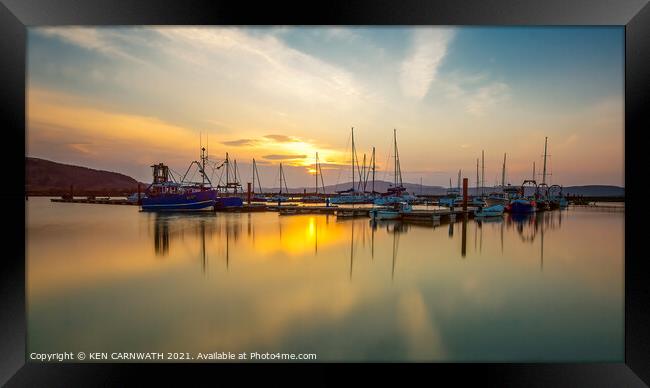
x=353, y=195
x=230, y=193
x=477, y=200
x=315, y=198
x=279, y=197
x=507, y=193
x=257, y=197
x=396, y=193
x=453, y=197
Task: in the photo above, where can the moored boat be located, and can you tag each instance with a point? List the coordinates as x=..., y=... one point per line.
x=521, y=206
x=491, y=211
x=390, y=213
x=165, y=194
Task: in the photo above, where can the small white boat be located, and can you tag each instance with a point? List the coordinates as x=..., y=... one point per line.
x=492, y=211
x=390, y=213
x=135, y=197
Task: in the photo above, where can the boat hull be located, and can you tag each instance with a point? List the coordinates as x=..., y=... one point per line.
x=348, y=200
x=520, y=206
x=223, y=202
x=492, y=211
x=196, y=201
x=495, y=201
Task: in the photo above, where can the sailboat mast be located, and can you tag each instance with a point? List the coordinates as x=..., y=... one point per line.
x=544, y=171
x=280, y=178
x=503, y=171
x=227, y=170
x=316, y=168
x=373, y=170
x=353, y=159
x=253, y=176
x=202, y=167
x=477, y=181
x=482, y=171
x=395, y=153
x=533, y=170
x=363, y=174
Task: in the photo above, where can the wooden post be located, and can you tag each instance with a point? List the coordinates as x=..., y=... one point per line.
x=463, y=247
x=464, y=194
x=248, y=194
x=71, y=192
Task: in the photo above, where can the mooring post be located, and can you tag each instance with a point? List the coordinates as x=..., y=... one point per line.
x=248, y=194
x=71, y=192
x=464, y=194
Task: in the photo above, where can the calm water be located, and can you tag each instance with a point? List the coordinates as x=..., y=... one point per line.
x=104, y=278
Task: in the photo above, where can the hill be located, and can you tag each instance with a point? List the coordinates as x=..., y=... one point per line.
x=44, y=177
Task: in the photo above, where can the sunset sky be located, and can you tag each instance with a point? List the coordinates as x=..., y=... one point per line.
x=123, y=98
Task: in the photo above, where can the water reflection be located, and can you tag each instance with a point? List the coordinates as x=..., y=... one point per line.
x=349, y=290
x=206, y=227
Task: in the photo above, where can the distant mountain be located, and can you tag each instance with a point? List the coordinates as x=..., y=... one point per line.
x=595, y=191
x=44, y=177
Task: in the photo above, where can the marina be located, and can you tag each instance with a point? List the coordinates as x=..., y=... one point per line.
x=373, y=193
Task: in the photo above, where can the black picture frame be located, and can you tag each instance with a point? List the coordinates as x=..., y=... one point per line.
x=17, y=15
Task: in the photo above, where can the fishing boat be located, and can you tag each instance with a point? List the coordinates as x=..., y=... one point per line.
x=390, y=212
x=397, y=192
x=166, y=194
x=521, y=206
x=556, y=198
x=490, y=211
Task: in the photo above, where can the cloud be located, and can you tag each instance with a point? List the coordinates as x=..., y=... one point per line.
x=419, y=70
x=476, y=93
x=282, y=138
x=486, y=97
x=263, y=61
x=283, y=157
x=241, y=142
x=99, y=40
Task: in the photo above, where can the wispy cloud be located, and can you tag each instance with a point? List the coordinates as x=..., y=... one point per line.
x=95, y=39
x=241, y=143
x=486, y=97
x=283, y=157
x=477, y=93
x=419, y=69
x=269, y=63
x=282, y=138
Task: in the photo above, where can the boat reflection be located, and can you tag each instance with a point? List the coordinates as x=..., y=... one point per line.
x=213, y=235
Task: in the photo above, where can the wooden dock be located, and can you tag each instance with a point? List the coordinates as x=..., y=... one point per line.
x=100, y=201
x=253, y=208
x=296, y=209
x=437, y=216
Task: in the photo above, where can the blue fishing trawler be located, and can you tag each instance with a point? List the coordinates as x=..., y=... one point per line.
x=166, y=194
